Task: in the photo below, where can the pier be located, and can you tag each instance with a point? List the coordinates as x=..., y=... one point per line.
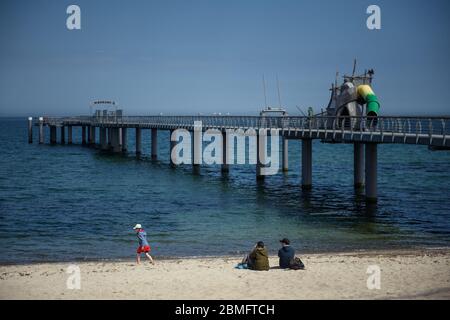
x=365, y=133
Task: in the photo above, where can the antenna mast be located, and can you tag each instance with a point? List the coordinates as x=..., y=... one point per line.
x=354, y=68
x=264, y=88
x=278, y=88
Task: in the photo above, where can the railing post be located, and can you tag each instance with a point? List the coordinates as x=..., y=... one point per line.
x=41, y=130
x=430, y=129
x=30, y=130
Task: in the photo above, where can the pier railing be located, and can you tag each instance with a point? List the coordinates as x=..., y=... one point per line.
x=421, y=125
x=396, y=127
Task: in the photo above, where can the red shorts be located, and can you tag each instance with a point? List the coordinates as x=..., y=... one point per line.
x=143, y=249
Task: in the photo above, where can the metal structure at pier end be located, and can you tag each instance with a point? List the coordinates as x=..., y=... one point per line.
x=344, y=121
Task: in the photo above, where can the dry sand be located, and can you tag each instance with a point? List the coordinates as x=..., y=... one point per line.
x=404, y=275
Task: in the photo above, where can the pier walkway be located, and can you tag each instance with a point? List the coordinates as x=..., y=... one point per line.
x=365, y=133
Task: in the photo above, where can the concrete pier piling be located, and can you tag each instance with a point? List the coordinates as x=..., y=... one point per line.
x=63, y=135
x=124, y=139
x=83, y=135
x=41, y=130
x=285, y=150
x=358, y=165
x=103, y=139
x=371, y=172
x=197, y=148
x=93, y=134
x=30, y=130
x=138, y=141
x=225, y=167
x=52, y=135
x=89, y=135
x=172, y=146
x=69, y=134
x=116, y=144
x=261, y=146
x=306, y=164
x=154, y=143
x=109, y=137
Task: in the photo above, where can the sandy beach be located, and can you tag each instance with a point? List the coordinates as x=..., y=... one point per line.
x=404, y=275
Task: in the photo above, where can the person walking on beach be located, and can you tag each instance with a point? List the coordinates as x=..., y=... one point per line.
x=144, y=247
x=286, y=254
x=258, y=259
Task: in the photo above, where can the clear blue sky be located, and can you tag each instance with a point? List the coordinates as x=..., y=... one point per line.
x=185, y=57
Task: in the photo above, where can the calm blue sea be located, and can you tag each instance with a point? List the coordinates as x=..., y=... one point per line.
x=60, y=203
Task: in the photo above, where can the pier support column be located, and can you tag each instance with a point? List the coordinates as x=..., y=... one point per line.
x=116, y=145
x=371, y=172
x=197, y=148
x=30, y=130
x=93, y=134
x=52, y=134
x=109, y=137
x=154, y=143
x=103, y=139
x=124, y=140
x=261, y=151
x=195, y=166
x=89, y=135
x=63, y=135
x=41, y=130
x=225, y=167
x=285, y=154
x=172, y=145
x=358, y=165
x=83, y=135
x=69, y=134
x=138, y=141
x=306, y=164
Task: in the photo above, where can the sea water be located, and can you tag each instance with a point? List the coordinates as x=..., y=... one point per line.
x=69, y=202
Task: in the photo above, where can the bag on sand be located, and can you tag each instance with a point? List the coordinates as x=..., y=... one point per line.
x=296, y=264
x=241, y=266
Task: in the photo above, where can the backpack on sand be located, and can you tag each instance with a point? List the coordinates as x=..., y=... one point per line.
x=296, y=264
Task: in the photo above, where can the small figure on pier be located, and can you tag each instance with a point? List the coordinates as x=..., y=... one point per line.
x=144, y=247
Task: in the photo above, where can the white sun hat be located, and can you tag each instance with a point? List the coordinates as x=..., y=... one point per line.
x=138, y=226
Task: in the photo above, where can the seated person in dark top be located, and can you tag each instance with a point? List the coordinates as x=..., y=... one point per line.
x=286, y=254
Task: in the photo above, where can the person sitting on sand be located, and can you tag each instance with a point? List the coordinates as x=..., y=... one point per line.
x=286, y=254
x=258, y=259
x=144, y=247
